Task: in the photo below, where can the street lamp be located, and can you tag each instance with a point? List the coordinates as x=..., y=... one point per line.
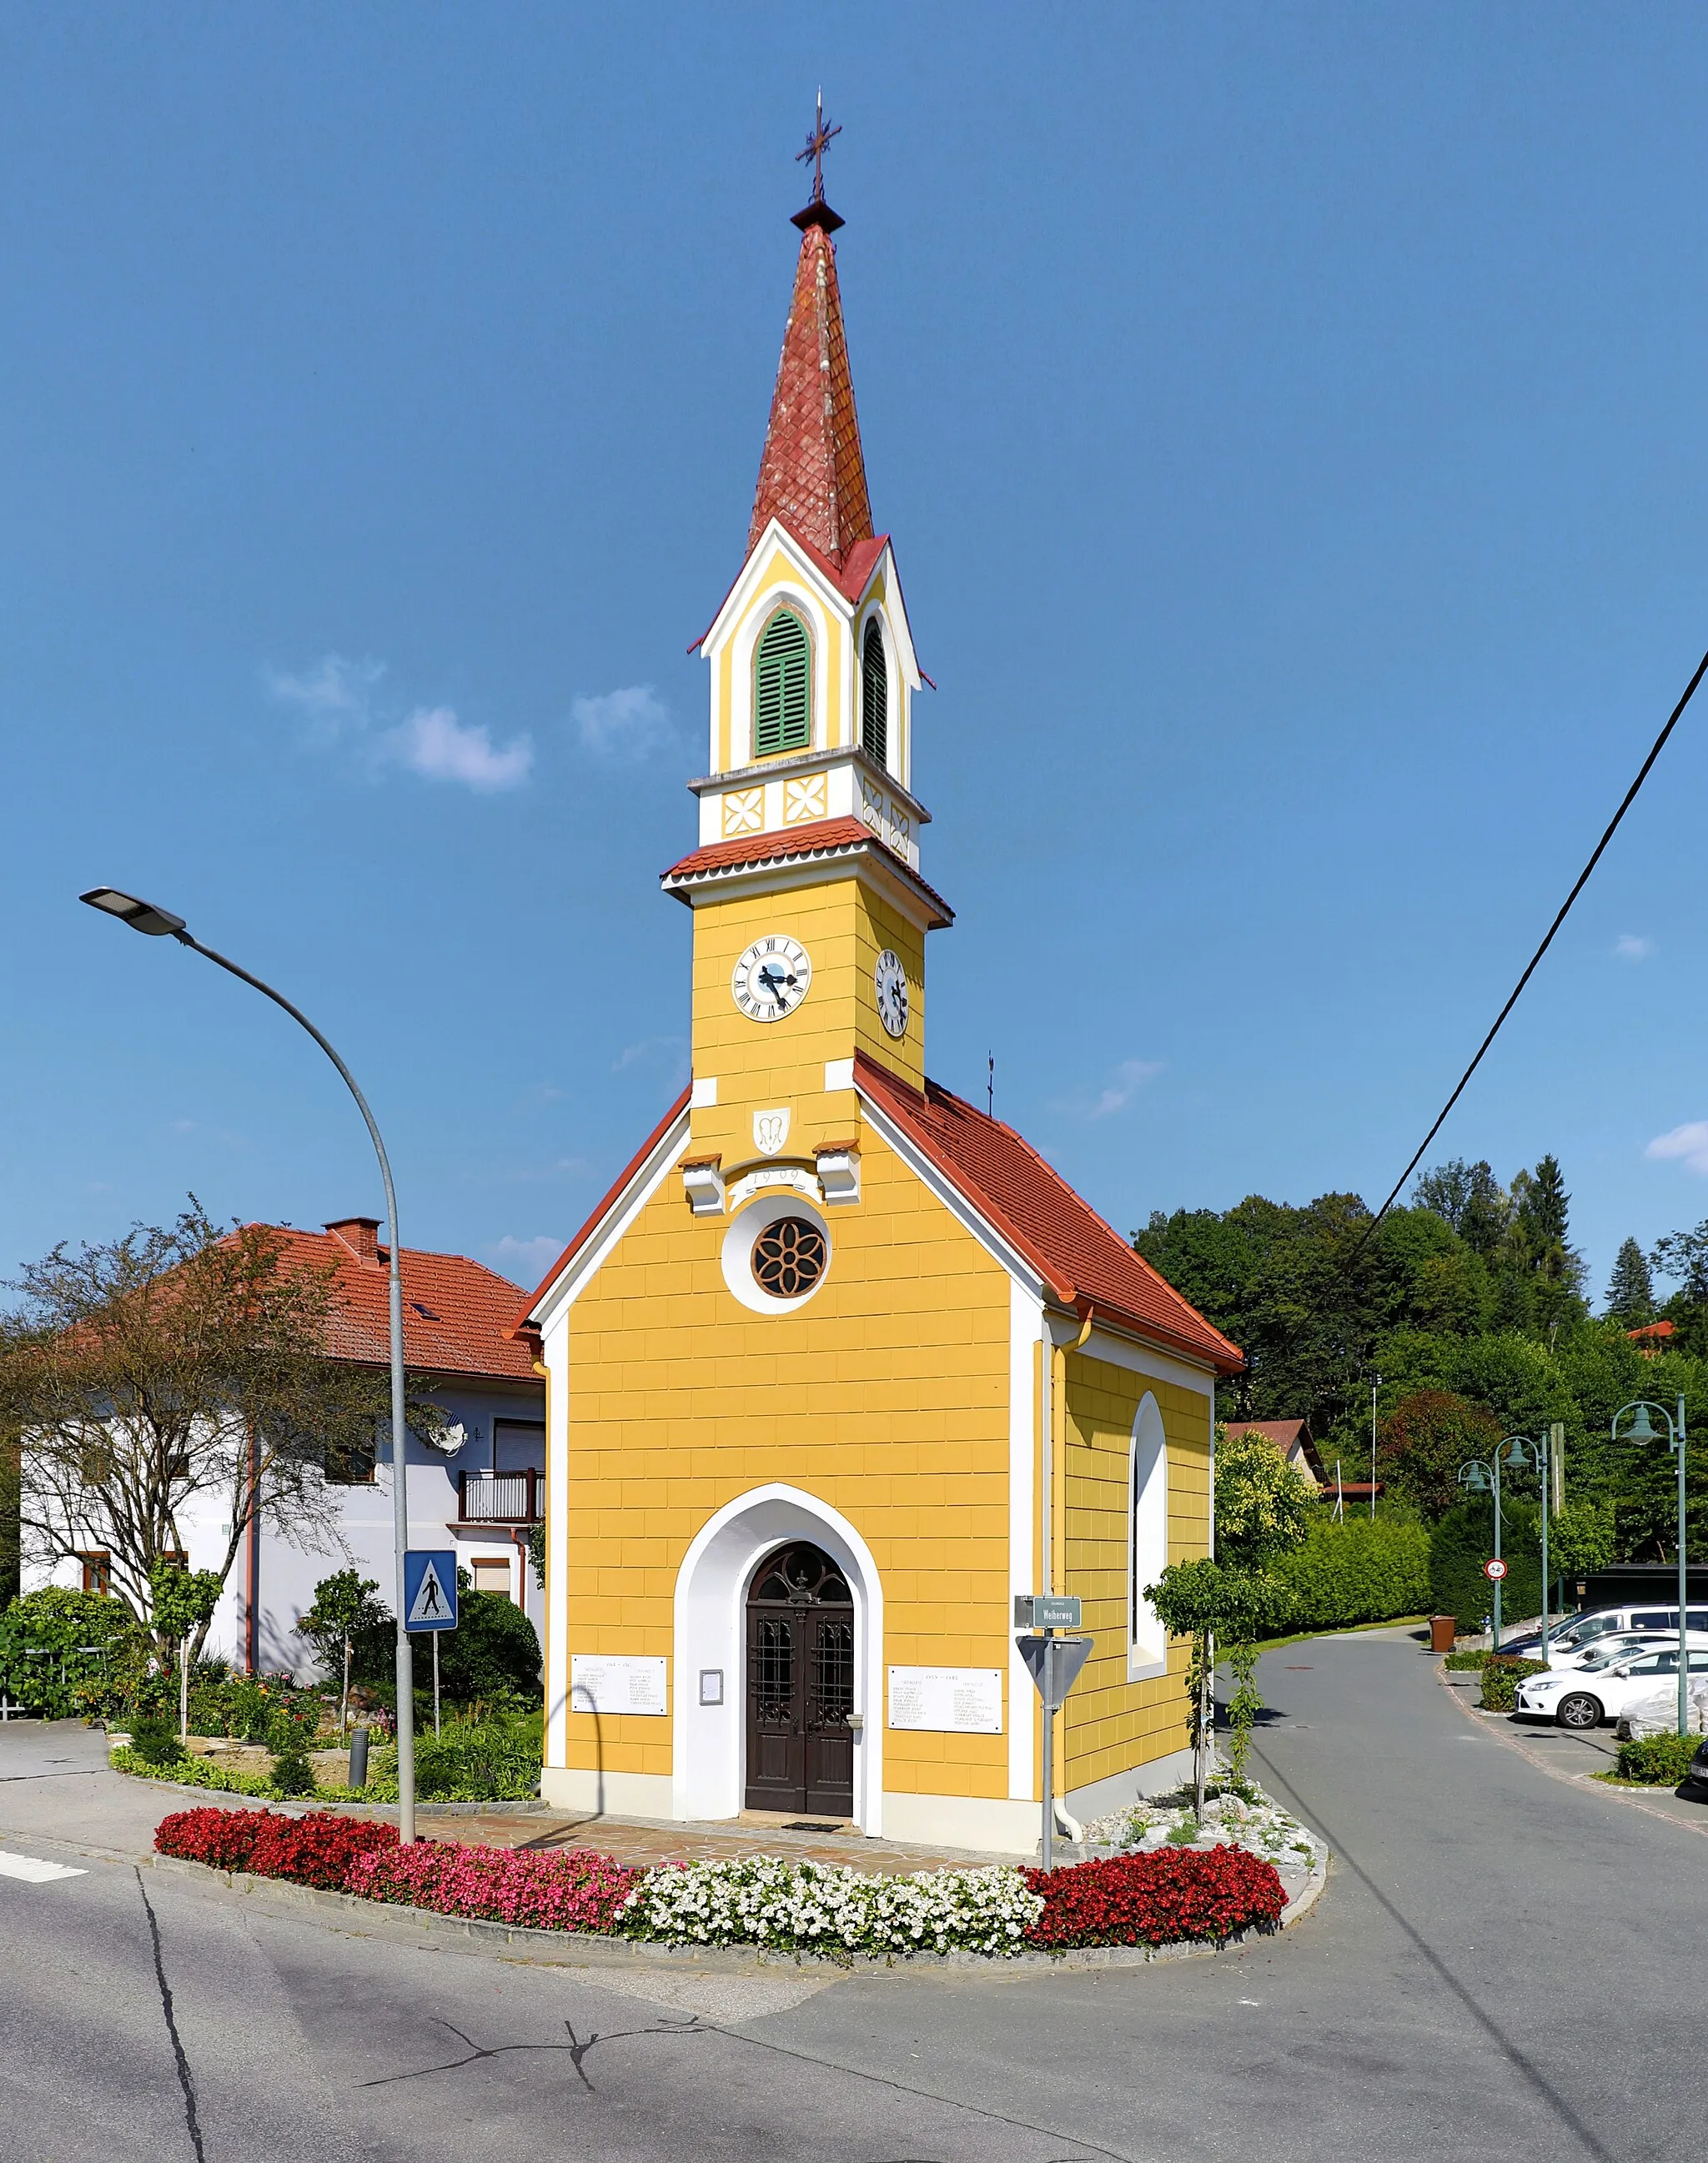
x=1642, y=1430
x=1521, y=1451
x=160, y=923
x=1481, y=1478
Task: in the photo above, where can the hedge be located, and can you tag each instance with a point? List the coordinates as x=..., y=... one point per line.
x=1366, y=1570
x=1657, y=1760
x=1463, y=1541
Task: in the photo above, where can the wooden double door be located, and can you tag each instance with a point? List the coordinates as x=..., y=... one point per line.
x=800, y=1685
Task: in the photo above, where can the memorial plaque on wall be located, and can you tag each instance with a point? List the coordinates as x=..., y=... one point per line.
x=947, y=1700
x=617, y=1682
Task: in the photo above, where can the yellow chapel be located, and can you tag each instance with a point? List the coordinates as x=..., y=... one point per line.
x=840, y=1366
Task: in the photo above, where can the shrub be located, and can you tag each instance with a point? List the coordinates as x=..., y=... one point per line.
x=155, y=1739
x=1501, y=1676
x=63, y=1652
x=292, y=1774
x=1155, y=1899
x=1657, y=1760
x=195, y=1772
x=1464, y=1663
x=495, y=1761
x=569, y=1890
x=1366, y=1570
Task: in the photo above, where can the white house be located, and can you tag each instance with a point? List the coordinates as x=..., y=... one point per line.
x=480, y=1495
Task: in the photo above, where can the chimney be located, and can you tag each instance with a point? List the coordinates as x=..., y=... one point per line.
x=359, y=1234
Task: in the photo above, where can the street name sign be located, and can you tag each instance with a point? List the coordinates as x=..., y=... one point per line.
x=430, y=1588
x=1054, y=1664
x=1046, y=1611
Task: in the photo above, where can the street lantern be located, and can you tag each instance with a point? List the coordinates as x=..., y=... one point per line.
x=1519, y=1452
x=161, y=924
x=1642, y=1429
x=1477, y=1477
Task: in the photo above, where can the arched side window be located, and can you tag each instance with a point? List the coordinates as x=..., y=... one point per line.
x=874, y=695
x=782, y=671
x=1147, y=1540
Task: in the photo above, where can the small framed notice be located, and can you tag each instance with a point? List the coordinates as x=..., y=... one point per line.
x=617, y=1682
x=947, y=1700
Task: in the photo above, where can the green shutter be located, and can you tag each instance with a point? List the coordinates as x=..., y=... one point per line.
x=874, y=696
x=782, y=691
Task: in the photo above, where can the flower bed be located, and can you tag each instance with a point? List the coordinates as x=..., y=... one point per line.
x=770, y=1901
x=1251, y=1820
x=1170, y=1896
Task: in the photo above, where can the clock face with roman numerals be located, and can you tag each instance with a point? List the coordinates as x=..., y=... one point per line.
x=890, y=981
x=771, y=978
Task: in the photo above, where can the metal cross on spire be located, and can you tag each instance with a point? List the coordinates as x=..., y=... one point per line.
x=817, y=143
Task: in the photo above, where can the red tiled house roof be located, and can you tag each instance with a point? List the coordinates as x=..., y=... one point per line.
x=1085, y=1262
x=456, y=1313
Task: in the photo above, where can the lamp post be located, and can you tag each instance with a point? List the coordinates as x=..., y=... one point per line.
x=1376, y=1383
x=1642, y=1430
x=1521, y=1451
x=1479, y=1478
x=160, y=923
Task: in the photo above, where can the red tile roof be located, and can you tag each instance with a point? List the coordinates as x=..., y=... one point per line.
x=521, y=1326
x=1085, y=1262
x=812, y=474
x=456, y=1313
x=818, y=837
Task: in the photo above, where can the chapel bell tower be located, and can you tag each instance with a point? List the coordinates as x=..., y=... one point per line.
x=810, y=908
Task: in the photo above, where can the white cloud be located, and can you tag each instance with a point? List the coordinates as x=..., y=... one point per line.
x=1130, y=1076
x=432, y=742
x=1689, y=1142
x=333, y=695
x=625, y=724
x=335, y=700
x=526, y=1260
x=1630, y=948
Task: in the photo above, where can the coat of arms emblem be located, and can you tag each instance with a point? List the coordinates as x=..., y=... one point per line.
x=770, y=1131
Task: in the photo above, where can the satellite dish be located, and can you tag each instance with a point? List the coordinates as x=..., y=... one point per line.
x=446, y=1440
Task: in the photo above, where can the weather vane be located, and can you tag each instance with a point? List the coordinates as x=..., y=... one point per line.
x=817, y=143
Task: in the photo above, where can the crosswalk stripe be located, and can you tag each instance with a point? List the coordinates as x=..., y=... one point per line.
x=33, y=1872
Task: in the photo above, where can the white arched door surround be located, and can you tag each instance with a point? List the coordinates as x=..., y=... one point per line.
x=1147, y=1541
x=709, y=1741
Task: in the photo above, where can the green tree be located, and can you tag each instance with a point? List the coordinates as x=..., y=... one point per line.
x=182, y=1604
x=1424, y=1441
x=346, y=1606
x=1469, y=1198
x=1206, y=1602
x=1631, y=1288
x=1263, y=1504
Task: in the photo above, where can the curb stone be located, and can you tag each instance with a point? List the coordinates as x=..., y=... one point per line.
x=575, y=1949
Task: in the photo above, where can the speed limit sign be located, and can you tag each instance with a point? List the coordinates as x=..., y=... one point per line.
x=1496, y=1569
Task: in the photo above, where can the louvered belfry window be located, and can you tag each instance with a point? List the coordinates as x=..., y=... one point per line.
x=782, y=716
x=874, y=696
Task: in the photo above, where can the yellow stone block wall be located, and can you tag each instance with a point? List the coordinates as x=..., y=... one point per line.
x=1111, y=1724
x=887, y=1395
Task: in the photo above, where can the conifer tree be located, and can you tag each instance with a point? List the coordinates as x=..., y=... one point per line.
x=1631, y=1288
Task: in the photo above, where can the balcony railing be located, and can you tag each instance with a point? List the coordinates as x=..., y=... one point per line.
x=501, y=1498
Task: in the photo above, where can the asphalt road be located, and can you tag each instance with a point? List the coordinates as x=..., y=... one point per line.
x=1506, y=1964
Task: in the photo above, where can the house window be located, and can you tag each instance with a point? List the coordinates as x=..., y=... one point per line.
x=1147, y=1538
x=790, y=1257
x=491, y=1573
x=97, y=1571
x=874, y=696
x=348, y=1464
x=783, y=687
x=95, y=1463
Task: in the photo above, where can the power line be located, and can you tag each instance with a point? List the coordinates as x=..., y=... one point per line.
x=1583, y=880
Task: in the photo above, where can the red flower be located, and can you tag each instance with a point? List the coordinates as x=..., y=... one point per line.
x=1156, y=1900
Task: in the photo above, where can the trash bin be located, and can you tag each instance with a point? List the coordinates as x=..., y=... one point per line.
x=1443, y=1629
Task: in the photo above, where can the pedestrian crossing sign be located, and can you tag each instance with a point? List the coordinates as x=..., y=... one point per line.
x=430, y=1588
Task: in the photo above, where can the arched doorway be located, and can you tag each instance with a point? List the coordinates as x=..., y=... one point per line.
x=800, y=1685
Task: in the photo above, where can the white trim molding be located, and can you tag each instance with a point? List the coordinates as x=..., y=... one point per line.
x=710, y=1741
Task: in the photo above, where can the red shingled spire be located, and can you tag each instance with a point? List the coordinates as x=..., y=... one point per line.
x=812, y=475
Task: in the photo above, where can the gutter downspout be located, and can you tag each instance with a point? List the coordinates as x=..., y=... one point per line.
x=1056, y=1434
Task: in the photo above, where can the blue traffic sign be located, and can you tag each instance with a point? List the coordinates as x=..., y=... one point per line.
x=430, y=1588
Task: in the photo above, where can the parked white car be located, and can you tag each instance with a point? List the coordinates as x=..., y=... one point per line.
x=1624, y=1645
x=1584, y=1697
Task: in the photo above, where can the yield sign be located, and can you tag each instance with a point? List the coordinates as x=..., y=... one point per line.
x=1055, y=1663
x=430, y=1589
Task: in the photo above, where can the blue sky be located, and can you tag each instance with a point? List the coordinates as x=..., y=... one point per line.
x=1294, y=427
